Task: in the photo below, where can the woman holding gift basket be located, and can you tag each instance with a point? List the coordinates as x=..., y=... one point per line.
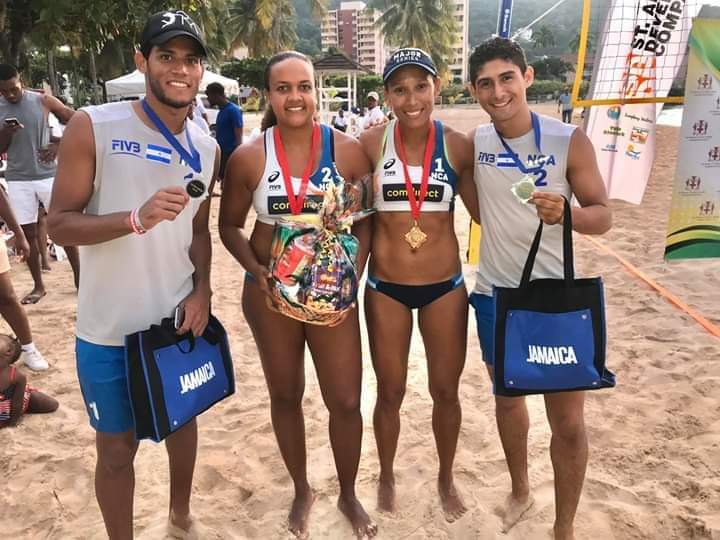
x=420, y=166
x=301, y=278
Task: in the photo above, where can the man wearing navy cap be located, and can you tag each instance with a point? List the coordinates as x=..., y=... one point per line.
x=132, y=191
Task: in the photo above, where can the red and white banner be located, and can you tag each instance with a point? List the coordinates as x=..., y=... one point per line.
x=641, y=49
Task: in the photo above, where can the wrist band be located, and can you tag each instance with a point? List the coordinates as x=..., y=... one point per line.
x=135, y=223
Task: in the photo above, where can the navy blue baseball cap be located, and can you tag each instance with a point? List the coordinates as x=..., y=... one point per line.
x=409, y=56
x=166, y=25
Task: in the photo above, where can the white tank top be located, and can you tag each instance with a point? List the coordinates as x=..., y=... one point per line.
x=270, y=198
x=390, y=190
x=134, y=281
x=508, y=226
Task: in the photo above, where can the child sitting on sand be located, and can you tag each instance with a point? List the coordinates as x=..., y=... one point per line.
x=16, y=397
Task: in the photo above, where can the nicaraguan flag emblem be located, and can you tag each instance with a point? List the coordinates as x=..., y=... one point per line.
x=158, y=153
x=505, y=160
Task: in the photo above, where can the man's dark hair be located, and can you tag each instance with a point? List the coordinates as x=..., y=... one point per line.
x=496, y=48
x=215, y=88
x=17, y=348
x=7, y=72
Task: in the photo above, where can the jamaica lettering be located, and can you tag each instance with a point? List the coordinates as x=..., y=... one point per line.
x=664, y=16
x=398, y=192
x=280, y=205
x=197, y=377
x=555, y=356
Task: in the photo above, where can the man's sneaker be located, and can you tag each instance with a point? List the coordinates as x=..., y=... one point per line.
x=34, y=360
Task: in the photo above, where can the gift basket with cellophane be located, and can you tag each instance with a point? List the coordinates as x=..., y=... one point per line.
x=313, y=260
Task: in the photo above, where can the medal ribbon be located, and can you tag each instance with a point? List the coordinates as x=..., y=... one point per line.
x=416, y=202
x=296, y=201
x=192, y=158
x=518, y=162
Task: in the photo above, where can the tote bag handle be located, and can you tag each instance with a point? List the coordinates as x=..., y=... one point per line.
x=568, y=255
x=167, y=329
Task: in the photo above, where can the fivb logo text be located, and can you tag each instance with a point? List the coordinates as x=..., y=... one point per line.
x=124, y=146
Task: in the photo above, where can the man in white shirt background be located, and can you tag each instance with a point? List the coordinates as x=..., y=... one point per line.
x=374, y=115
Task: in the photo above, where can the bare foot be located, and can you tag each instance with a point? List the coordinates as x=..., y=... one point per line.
x=452, y=502
x=33, y=297
x=45, y=266
x=563, y=533
x=386, y=496
x=182, y=527
x=362, y=525
x=514, y=510
x=300, y=512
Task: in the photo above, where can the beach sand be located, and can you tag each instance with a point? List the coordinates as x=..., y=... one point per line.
x=654, y=468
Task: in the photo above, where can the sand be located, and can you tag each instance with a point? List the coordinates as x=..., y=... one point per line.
x=654, y=469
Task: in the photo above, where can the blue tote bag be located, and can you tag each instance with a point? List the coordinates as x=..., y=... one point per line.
x=550, y=333
x=172, y=379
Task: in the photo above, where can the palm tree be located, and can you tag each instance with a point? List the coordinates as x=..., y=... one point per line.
x=543, y=37
x=427, y=24
x=266, y=26
x=574, y=43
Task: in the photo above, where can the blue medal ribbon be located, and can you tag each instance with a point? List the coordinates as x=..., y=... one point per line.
x=192, y=158
x=516, y=159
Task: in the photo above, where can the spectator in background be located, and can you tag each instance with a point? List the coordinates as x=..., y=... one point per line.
x=31, y=146
x=339, y=121
x=374, y=115
x=197, y=117
x=229, y=123
x=565, y=104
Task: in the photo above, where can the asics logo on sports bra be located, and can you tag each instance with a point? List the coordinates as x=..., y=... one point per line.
x=125, y=147
x=551, y=356
x=389, y=163
x=169, y=17
x=196, y=378
x=274, y=176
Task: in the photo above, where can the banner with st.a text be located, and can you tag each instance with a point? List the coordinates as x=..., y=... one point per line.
x=694, y=225
x=641, y=48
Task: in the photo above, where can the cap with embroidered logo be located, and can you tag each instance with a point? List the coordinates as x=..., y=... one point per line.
x=408, y=56
x=166, y=25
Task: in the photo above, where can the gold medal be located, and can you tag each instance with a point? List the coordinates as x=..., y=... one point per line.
x=415, y=236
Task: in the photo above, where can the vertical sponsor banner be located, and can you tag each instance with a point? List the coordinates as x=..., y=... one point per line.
x=694, y=225
x=642, y=47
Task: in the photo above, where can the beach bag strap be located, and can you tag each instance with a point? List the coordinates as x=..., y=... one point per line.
x=568, y=254
x=166, y=328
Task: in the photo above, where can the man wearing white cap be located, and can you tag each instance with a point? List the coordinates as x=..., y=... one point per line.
x=374, y=116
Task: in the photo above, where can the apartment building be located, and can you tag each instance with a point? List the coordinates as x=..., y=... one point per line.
x=352, y=29
x=458, y=66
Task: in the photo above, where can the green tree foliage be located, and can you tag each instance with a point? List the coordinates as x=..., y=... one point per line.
x=550, y=68
x=427, y=24
x=248, y=72
x=543, y=37
x=574, y=43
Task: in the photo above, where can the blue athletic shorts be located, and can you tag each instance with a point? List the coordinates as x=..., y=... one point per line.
x=485, y=319
x=103, y=382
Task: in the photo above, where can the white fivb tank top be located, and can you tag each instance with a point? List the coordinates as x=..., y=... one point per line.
x=134, y=281
x=508, y=225
x=390, y=190
x=270, y=198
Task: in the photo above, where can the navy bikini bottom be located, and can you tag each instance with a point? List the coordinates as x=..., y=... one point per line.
x=415, y=296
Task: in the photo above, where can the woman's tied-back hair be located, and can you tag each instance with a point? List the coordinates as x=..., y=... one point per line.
x=269, y=119
x=497, y=48
x=17, y=348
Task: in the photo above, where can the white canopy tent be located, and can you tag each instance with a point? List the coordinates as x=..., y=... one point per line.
x=133, y=85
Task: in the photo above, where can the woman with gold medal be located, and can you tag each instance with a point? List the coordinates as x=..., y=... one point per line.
x=283, y=174
x=414, y=263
